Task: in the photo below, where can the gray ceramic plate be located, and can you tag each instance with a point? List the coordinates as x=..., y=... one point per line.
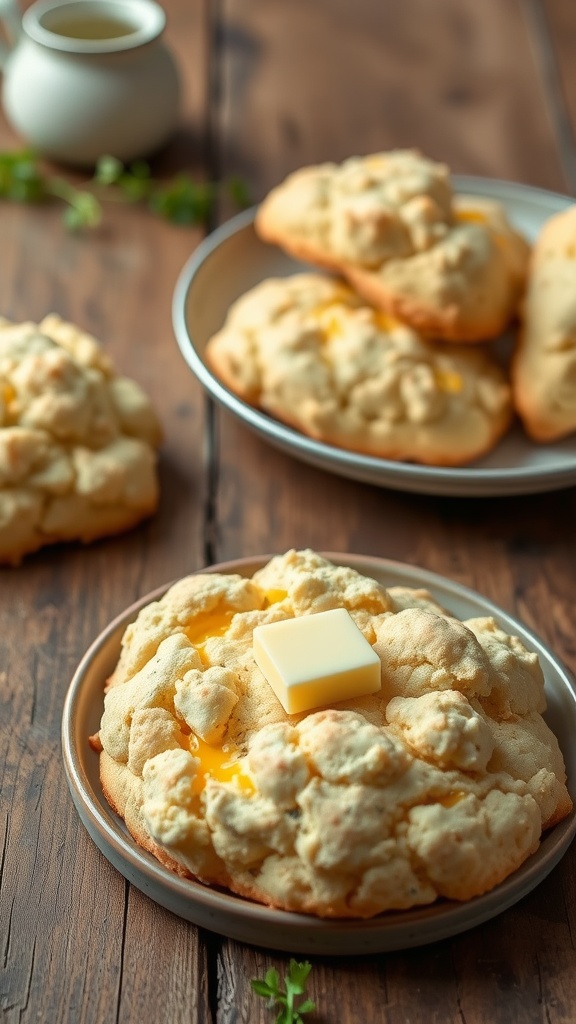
x=233, y=259
x=249, y=922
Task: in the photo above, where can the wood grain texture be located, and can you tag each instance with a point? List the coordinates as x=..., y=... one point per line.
x=270, y=86
x=454, y=78
x=552, y=26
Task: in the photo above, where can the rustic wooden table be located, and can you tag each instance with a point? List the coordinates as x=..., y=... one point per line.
x=491, y=89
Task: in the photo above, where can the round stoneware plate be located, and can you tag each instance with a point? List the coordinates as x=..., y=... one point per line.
x=232, y=260
x=249, y=922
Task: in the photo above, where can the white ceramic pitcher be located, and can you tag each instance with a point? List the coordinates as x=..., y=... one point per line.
x=85, y=78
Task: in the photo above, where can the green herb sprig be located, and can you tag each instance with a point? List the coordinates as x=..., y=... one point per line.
x=281, y=999
x=180, y=200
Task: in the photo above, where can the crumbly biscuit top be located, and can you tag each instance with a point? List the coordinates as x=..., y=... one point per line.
x=391, y=225
x=72, y=432
x=388, y=206
x=368, y=209
x=387, y=801
x=309, y=350
x=544, y=364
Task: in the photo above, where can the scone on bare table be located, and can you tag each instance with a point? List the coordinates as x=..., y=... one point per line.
x=390, y=224
x=309, y=351
x=544, y=363
x=436, y=781
x=77, y=441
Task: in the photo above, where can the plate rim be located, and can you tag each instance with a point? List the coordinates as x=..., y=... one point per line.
x=461, y=481
x=401, y=929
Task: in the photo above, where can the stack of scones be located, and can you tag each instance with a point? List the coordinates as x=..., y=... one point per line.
x=388, y=350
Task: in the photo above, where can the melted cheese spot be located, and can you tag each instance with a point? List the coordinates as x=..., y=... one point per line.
x=503, y=243
x=383, y=321
x=471, y=216
x=332, y=327
x=7, y=392
x=328, y=315
x=208, y=626
x=217, y=624
x=203, y=656
x=452, y=799
x=222, y=764
x=448, y=380
x=341, y=296
x=329, y=319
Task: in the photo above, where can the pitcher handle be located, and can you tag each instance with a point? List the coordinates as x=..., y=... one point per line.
x=11, y=19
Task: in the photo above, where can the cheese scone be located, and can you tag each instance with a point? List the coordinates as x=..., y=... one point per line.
x=309, y=351
x=77, y=441
x=544, y=362
x=438, y=785
x=389, y=224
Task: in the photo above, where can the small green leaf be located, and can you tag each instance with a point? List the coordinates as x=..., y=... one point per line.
x=108, y=170
x=307, y=1006
x=283, y=1001
x=140, y=169
x=20, y=179
x=134, y=189
x=272, y=978
x=238, y=192
x=261, y=988
x=297, y=975
x=84, y=211
x=181, y=200
x=73, y=219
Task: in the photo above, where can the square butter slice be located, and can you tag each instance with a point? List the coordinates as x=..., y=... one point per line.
x=316, y=660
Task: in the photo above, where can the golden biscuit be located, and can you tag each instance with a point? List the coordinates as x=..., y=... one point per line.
x=437, y=786
x=390, y=225
x=77, y=441
x=311, y=352
x=544, y=363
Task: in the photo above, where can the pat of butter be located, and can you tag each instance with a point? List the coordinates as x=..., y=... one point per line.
x=315, y=660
